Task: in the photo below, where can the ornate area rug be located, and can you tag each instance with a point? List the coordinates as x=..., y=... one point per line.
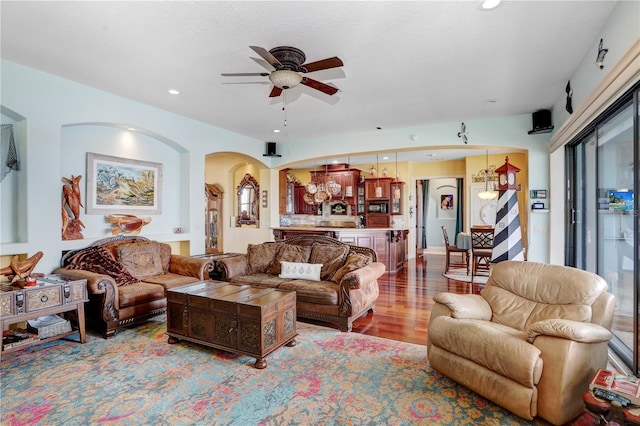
x=328, y=378
x=460, y=274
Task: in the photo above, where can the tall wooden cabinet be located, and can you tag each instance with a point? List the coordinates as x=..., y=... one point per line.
x=383, y=198
x=213, y=218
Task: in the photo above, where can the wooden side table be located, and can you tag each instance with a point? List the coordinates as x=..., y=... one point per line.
x=53, y=294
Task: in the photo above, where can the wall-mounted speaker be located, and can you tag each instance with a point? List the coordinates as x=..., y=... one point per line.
x=541, y=122
x=271, y=150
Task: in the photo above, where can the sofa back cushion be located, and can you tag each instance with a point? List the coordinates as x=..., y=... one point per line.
x=521, y=293
x=142, y=259
x=260, y=257
x=289, y=253
x=99, y=260
x=354, y=261
x=331, y=257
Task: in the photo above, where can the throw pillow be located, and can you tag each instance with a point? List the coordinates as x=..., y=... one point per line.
x=97, y=259
x=290, y=253
x=330, y=256
x=142, y=260
x=165, y=256
x=261, y=256
x=303, y=271
x=354, y=261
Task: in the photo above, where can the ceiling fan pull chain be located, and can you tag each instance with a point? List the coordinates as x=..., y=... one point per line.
x=284, y=106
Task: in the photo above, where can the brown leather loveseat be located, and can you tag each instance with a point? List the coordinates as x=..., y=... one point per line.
x=127, y=279
x=334, y=282
x=530, y=342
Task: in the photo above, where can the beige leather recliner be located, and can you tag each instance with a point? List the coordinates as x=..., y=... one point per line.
x=530, y=342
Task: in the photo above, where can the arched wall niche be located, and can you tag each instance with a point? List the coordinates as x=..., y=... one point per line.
x=13, y=200
x=227, y=170
x=128, y=142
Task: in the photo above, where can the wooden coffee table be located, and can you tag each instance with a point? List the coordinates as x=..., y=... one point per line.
x=234, y=318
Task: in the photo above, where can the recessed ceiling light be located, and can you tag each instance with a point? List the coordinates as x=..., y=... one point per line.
x=174, y=91
x=489, y=4
x=379, y=128
x=276, y=130
x=131, y=128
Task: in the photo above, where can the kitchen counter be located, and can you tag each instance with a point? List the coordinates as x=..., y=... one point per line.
x=389, y=243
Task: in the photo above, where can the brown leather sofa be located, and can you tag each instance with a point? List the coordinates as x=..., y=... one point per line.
x=530, y=342
x=347, y=285
x=127, y=279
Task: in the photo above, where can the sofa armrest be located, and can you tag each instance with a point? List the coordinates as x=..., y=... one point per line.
x=583, y=332
x=95, y=282
x=191, y=266
x=232, y=267
x=364, y=276
x=465, y=306
x=98, y=285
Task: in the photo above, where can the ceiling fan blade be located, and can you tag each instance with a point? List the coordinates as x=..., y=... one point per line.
x=322, y=64
x=276, y=91
x=245, y=74
x=266, y=55
x=325, y=88
x=264, y=64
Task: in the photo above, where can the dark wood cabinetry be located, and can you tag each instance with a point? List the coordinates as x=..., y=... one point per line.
x=383, y=198
x=346, y=189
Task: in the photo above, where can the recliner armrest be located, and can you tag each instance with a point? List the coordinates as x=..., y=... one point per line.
x=465, y=306
x=583, y=332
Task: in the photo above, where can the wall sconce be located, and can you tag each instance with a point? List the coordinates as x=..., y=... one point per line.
x=265, y=198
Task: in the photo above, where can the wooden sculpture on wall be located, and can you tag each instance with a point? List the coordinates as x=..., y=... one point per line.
x=71, y=223
x=18, y=270
x=127, y=224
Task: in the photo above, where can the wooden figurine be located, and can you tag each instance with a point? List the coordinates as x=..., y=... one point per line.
x=127, y=224
x=18, y=270
x=71, y=203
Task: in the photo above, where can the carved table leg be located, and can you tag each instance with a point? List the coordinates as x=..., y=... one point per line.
x=172, y=340
x=260, y=363
x=291, y=343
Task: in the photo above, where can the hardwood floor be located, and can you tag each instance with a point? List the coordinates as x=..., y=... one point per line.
x=403, y=309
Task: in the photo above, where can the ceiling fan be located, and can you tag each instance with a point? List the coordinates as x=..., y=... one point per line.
x=288, y=66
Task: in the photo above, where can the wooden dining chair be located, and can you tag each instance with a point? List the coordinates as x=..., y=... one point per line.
x=452, y=248
x=481, y=249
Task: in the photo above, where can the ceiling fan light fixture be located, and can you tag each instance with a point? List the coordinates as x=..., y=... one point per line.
x=285, y=79
x=489, y=4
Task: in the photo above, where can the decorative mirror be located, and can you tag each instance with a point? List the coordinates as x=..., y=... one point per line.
x=213, y=218
x=248, y=209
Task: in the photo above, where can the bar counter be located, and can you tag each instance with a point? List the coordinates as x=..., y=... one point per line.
x=389, y=243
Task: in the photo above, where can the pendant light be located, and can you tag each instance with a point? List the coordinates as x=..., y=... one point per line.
x=378, y=187
x=487, y=194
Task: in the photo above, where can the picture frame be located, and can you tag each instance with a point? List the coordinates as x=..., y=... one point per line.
x=123, y=185
x=446, y=201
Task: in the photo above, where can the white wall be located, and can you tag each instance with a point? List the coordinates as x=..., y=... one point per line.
x=620, y=31
x=51, y=106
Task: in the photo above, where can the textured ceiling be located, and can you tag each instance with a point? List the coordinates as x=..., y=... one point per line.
x=406, y=63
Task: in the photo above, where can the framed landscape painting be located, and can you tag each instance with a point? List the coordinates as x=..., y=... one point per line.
x=122, y=185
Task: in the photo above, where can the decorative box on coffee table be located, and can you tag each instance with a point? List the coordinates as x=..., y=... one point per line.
x=234, y=318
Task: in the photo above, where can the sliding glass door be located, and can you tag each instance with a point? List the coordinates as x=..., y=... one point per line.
x=602, y=224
